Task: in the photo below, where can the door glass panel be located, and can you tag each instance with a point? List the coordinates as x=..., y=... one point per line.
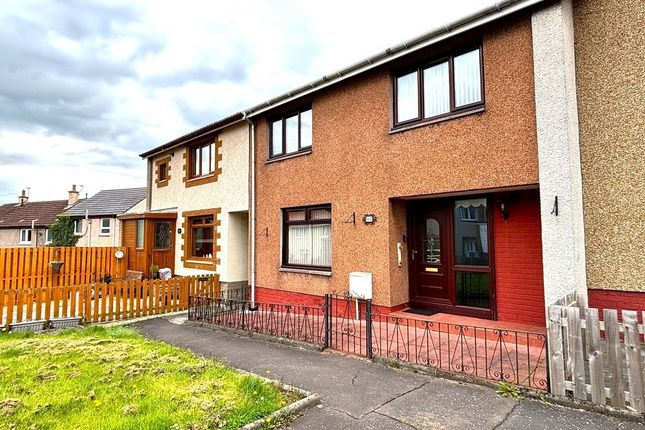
x=431, y=242
x=471, y=232
x=162, y=235
x=473, y=289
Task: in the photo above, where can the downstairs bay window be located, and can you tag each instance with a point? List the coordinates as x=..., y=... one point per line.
x=307, y=237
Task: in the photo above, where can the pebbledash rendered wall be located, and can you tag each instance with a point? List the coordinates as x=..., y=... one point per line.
x=229, y=192
x=610, y=69
x=360, y=167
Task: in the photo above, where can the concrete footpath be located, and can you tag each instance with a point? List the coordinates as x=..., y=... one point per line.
x=358, y=394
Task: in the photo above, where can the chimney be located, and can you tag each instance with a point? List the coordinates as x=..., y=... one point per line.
x=73, y=196
x=22, y=199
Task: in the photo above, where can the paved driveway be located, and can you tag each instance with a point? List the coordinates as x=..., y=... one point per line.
x=358, y=394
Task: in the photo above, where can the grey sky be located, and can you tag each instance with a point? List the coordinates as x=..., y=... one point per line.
x=87, y=85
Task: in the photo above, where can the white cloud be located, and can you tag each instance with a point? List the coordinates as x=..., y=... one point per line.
x=86, y=86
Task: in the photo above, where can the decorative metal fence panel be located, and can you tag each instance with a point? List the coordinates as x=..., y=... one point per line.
x=515, y=357
x=295, y=322
x=349, y=325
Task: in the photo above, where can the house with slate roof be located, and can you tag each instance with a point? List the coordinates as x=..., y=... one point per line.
x=95, y=218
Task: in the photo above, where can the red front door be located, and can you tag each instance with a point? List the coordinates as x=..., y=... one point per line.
x=430, y=266
x=451, y=256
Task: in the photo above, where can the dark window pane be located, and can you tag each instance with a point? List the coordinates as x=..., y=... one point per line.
x=431, y=242
x=195, y=160
x=317, y=214
x=471, y=232
x=162, y=235
x=163, y=171
x=202, y=243
x=296, y=215
x=473, y=289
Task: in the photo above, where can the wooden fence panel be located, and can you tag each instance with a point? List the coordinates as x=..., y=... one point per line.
x=633, y=359
x=30, y=267
x=595, y=356
x=616, y=353
x=100, y=302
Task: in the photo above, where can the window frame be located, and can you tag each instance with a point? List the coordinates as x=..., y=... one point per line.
x=140, y=222
x=78, y=227
x=307, y=221
x=283, y=120
x=102, y=228
x=212, y=144
x=29, y=234
x=48, y=236
x=454, y=111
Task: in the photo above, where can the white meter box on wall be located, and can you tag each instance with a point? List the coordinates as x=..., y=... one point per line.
x=360, y=285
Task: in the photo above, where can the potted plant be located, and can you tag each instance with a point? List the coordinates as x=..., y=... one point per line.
x=154, y=271
x=56, y=265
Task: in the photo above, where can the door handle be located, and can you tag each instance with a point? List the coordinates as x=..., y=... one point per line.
x=414, y=252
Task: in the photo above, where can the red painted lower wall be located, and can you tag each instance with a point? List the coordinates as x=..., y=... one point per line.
x=269, y=295
x=619, y=300
x=518, y=261
x=518, y=266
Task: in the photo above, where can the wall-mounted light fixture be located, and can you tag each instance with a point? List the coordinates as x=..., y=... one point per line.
x=503, y=208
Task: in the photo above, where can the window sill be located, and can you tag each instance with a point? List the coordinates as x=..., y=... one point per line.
x=305, y=271
x=450, y=117
x=104, y=234
x=288, y=156
x=24, y=243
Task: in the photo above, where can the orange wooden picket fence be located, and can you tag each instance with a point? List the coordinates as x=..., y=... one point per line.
x=30, y=267
x=103, y=302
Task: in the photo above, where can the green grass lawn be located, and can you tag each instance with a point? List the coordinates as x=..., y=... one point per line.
x=113, y=378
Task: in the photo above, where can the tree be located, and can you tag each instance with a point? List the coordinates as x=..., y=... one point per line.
x=62, y=232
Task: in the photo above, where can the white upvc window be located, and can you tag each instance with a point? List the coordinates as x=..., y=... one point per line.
x=25, y=236
x=48, y=236
x=105, y=226
x=78, y=227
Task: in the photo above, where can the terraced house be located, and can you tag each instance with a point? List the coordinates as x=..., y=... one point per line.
x=196, y=216
x=447, y=167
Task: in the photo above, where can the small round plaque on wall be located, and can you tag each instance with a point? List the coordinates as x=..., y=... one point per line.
x=119, y=254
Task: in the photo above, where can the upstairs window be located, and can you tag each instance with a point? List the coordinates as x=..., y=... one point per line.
x=105, y=226
x=202, y=159
x=163, y=171
x=78, y=227
x=450, y=85
x=290, y=134
x=48, y=236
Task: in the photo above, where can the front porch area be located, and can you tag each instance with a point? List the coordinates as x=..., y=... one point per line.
x=475, y=348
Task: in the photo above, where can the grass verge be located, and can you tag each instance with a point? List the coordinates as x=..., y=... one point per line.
x=113, y=378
